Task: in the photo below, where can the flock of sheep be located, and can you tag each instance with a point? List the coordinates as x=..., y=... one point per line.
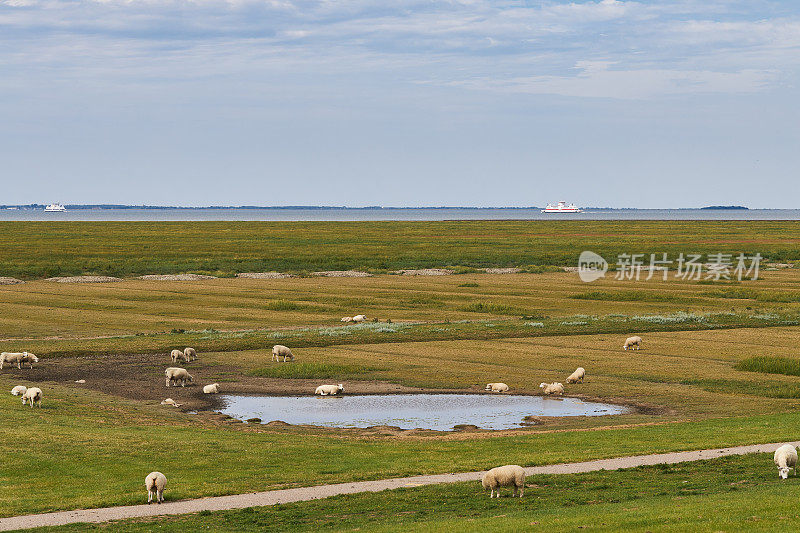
x=513, y=476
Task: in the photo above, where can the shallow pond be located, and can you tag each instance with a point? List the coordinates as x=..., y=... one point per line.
x=431, y=411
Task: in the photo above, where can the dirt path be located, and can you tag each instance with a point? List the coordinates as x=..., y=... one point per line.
x=259, y=499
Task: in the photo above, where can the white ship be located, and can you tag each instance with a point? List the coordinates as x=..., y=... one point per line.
x=562, y=207
x=55, y=207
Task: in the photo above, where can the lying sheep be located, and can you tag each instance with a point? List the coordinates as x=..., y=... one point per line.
x=280, y=350
x=552, y=388
x=347, y=319
x=170, y=401
x=496, y=387
x=329, y=390
x=211, y=389
x=190, y=354
x=33, y=394
x=630, y=342
x=577, y=376
x=504, y=476
x=785, y=459
x=177, y=354
x=175, y=375
x=19, y=390
x=155, y=483
x=20, y=358
x=358, y=319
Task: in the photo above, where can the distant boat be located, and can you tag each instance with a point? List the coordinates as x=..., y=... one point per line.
x=55, y=208
x=12, y=208
x=562, y=207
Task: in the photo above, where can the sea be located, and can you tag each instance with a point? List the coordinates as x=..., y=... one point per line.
x=386, y=213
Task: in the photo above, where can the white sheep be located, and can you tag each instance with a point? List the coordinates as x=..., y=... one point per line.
x=190, y=354
x=347, y=319
x=577, y=376
x=11, y=358
x=504, y=476
x=19, y=390
x=329, y=390
x=785, y=459
x=496, y=387
x=170, y=401
x=358, y=319
x=280, y=350
x=29, y=358
x=178, y=354
x=552, y=388
x=630, y=342
x=155, y=483
x=33, y=394
x=211, y=389
x=175, y=375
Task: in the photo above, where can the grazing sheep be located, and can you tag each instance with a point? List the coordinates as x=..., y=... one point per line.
x=785, y=459
x=577, y=376
x=33, y=394
x=630, y=342
x=504, y=476
x=175, y=375
x=347, y=319
x=358, y=319
x=329, y=390
x=11, y=358
x=29, y=358
x=19, y=390
x=155, y=483
x=496, y=387
x=170, y=401
x=190, y=354
x=211, y=389
x=552, y=388
x=280, y=350
x=177, y=354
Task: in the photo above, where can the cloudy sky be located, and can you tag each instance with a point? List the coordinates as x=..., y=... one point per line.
x=410, y=102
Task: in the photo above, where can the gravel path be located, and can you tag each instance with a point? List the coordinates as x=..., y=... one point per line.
x=259, y=499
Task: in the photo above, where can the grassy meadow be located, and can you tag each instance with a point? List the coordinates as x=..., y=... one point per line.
x=728, y=494
x=718, y=367
x=124, y=249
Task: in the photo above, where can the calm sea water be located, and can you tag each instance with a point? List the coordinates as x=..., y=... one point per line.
x=344, y=214
x=432, y=411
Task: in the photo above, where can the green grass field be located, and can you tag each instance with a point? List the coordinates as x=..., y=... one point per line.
x=730, y=494
x=718, y=368
x=43, y=249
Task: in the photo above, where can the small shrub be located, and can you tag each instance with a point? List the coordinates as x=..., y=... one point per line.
x=469, y=285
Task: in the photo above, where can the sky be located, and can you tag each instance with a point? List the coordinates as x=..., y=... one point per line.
x=611, y=103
